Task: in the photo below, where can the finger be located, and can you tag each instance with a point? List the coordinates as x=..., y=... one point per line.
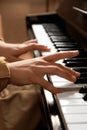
x=35, y=46
x=49, y=86
x=54, y=70
x=30, y=41
x=68, y=70
x=61, y=55
x=40, y=47
x=33, y=41
x=30, y=47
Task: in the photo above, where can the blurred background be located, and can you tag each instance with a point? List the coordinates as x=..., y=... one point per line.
x=13, y=14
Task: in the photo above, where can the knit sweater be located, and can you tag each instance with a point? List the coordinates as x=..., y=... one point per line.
x=4, y=73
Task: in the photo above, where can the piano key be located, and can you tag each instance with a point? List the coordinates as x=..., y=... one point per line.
x=85, y=97
x=75, y=118
x=43, y=38
x=83, y=89
x=76, y=63
x=54, y=29
x=55, y=33
x=73, y=100
x=68, y=99
x=82, y=54
x=69, y=95
x=69, y=49
x=81, y=80
x=66, y=43
x=63, y=83
x=82, y=59
x=51, y=27
x=64, y=46
x=74, y=109
x=83, y=74
x=59, y=38
x=78, y=126
x=80, y=69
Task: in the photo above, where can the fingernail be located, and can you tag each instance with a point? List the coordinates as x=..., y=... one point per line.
x=78, y=74
x=73, y=78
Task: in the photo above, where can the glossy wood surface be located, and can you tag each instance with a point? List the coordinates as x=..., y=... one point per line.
x=76, y=19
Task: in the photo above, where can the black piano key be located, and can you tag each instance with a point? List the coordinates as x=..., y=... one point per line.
x=63, y=43
x=80, y=69
x=50, y=25
x=75, y=64
x=84, y=74
x=82, y=54
x=51, y=28
x=66, y=43
x=75, y=59
x=59, y=38
x=81, y=80
x=55, y=33
x=65, y=46
x=85, y=97
x=83, y=89
x=68, y=49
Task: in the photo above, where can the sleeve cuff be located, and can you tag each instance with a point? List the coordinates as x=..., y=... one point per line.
x=4, y=73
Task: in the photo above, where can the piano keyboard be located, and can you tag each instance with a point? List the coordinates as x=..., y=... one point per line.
x=72, y=107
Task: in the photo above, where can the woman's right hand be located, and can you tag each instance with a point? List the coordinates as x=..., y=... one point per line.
x=32, y=71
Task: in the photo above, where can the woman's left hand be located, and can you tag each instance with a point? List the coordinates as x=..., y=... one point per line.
x=12, y=51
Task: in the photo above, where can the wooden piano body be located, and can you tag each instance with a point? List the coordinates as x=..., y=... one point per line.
x=64, y=111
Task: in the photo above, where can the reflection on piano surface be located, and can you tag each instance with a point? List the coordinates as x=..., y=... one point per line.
x=61, y=31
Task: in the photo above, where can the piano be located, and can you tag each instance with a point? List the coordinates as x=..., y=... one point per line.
x=62, y=30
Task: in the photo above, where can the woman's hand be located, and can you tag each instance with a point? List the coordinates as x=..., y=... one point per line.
x=32, y=71
x=12, y=51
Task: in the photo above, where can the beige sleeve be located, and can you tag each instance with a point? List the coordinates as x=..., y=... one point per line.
x=1, y=30
x=4, y=73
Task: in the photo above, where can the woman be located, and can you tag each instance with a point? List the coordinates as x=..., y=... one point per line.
x=19, y=106
x=23, y=72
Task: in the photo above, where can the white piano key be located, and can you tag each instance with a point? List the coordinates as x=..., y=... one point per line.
x=64, y=83
x=43, y=38
x=71, y=99
x=75, y=118
x=72, y=102
x=69, y=95
x=74, y=109
x=67, y=84
x=75, y=126
x=58, y=79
